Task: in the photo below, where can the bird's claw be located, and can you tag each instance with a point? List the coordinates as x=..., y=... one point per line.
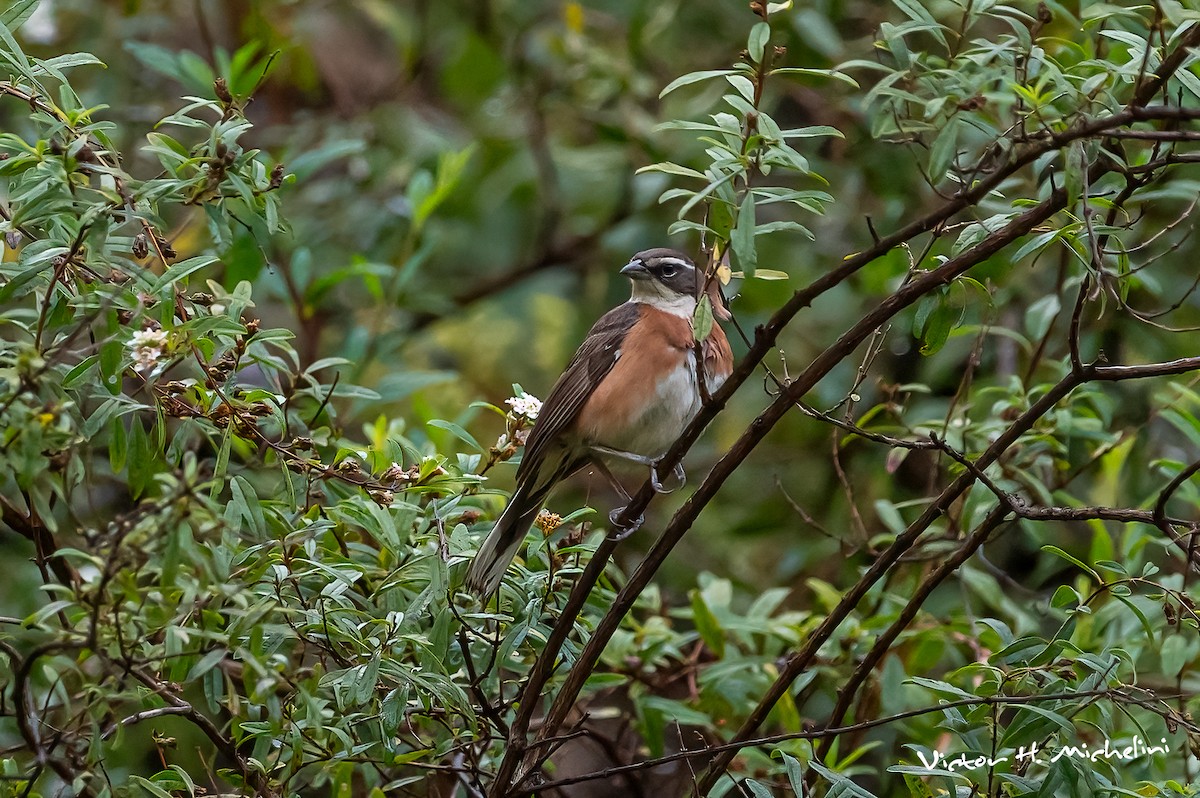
x=677, y=472
x=620, y=529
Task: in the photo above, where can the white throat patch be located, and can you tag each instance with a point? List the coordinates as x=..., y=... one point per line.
x=652, y=293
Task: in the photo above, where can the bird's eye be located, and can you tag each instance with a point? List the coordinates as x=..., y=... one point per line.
x=668, y=272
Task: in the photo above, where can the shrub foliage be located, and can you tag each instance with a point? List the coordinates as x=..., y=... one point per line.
x=249, y=567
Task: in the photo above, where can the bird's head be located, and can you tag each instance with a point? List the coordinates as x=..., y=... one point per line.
x=664, y=278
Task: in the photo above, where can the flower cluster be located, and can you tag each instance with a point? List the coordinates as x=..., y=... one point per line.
x=147, y=347
x=547, y=521
x=525, y=406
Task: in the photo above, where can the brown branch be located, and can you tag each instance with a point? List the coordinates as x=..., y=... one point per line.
x=226, y=745
x=1155, y=135
x=884, y=642
x=793, y=392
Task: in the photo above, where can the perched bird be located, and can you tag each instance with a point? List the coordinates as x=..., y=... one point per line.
x=628, y=393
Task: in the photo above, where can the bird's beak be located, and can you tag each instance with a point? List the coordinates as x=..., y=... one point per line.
x=635, y=270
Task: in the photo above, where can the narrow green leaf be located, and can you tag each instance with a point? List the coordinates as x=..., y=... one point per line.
x=694, y=77
x=702, y=320
x=756, y=42
x=206, y=663
x=812, y=131
x=822, y=73
x=61, y=62
x=742, y=238
x=181, y=270
x=15, y=15
x=150, y=787
x=707, y=625
x=756, y=789
x=118, y=445
x=222, y=463
x=1055, y=550
x=669, y=168
x=704, y=192
x=943, y=151
x=245, y=499
x=141, y=464
x=457, y=432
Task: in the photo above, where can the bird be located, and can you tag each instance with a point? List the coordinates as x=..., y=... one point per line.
x=627, y=394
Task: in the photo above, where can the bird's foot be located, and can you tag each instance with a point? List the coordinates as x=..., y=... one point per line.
x=677, y=472
x=620, y=530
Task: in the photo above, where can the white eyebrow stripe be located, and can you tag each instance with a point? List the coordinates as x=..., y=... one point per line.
x=683, y=264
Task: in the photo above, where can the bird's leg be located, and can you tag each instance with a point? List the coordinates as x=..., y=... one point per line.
x=614, y=517
x=641, y=459
x=613, y=482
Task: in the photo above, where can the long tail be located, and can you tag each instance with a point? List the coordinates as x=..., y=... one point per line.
x=501, y=545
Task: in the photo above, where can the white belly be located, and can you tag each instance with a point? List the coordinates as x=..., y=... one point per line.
x=676, y=402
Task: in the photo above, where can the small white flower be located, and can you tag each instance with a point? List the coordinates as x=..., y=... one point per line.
x=146, y=358
x=149, y=339
x=146, y=348
x=525, y=405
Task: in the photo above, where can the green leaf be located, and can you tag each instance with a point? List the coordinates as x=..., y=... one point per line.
x=694, y=77
x=823, y=73
x=702, y=319
x=917, y=12
x=118, y=445
x=1036, y=243
x=150, y=787
x=61, y=62
x=841, y=785
x=666, y=167
x=1175, y=654
x=15, y=15
x=744, y=86
x=206, y=663
x=704, y=192
x=756, y=789
x=756, y=43
x=742, y=238
x=245, y=500
x=707, y=625
x=1056, y=551
x=457, y=432
x=943, y=151
x=181, y=270
x=939, y=322
x=812, y=132
x=140, y=458
x=1040, y=316
x=940, y=687
x=81, y=371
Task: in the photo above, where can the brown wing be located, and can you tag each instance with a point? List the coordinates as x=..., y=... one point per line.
x=595, y=357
